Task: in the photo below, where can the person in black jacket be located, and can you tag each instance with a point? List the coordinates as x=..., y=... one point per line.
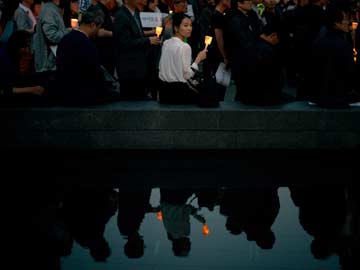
x=105, y=41
x=331, y=77
x=130, y=52
x=249, y=49
x=80, y=77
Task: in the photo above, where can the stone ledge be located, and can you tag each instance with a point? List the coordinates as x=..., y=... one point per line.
x=149, y=125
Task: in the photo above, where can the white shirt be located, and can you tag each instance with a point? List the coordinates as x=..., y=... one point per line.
x=175, y=61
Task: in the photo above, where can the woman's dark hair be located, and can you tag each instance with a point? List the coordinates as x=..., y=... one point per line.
x=177, y=18
x=17, y=41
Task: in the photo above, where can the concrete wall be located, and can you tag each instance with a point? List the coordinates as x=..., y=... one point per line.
x=149, y=125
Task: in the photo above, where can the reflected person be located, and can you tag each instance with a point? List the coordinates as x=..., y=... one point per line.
x=322, y=211
x=87, y=211
x=176, y=214
x=252, y=210
x=133, y=205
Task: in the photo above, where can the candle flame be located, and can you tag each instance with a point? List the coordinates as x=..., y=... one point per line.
x=159, y=216
x=354, y=25
x=158, y=30
x=355, y=54
x=206, y=230
x=208, y=40
x=74, y=23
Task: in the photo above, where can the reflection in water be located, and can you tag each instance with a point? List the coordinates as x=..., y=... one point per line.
x=252, y=210
x=280, y=225
x=78, y=220
x=86, y=211
x=133, y=205
x=322, y=214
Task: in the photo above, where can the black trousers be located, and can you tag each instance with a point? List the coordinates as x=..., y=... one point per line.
x=176, y=93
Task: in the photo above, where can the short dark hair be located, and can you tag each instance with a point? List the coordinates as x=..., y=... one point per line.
x=177, y=18
x=334, y=14
x=93, y=15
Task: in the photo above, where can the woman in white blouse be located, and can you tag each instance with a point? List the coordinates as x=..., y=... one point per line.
x=175, y=67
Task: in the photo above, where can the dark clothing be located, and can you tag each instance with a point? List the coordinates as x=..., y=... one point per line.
x=357, y=64
x=331, y=71
x=7, y=73
x=214, y=56
x=273, y=21
x=80, y=78
x=310, y=23
x=164, y=8
x=10, y=78
x=176, y=93
x=133, y=205
x=130, y=54
x=205, y=22
x=252, y=60
x=105, y=45
x=241, y=35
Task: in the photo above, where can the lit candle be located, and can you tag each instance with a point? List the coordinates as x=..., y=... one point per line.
x=354, y=25
x=158, y=30
x=159, y=215
x=355, y=54
x=208, y=40
x=205, y=230
x=74, y=23
x=170, y=11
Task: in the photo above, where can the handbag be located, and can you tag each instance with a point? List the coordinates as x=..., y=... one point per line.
x=196, y=80
x=223, y=75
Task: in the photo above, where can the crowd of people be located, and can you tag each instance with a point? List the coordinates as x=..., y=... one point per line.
x=86, y=52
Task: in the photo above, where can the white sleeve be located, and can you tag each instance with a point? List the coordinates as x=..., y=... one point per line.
x=186, y=60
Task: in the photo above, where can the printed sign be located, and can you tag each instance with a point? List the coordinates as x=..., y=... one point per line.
x=151, y=19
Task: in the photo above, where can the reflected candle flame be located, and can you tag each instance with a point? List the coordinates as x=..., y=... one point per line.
x=159, y=216
x=205, y=230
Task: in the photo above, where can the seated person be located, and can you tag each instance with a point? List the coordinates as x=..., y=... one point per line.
x=175, y=64
x=80, y=77
x=330, y=80
x=18, y=84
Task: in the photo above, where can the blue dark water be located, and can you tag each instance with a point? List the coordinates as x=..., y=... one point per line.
x=264, y=210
